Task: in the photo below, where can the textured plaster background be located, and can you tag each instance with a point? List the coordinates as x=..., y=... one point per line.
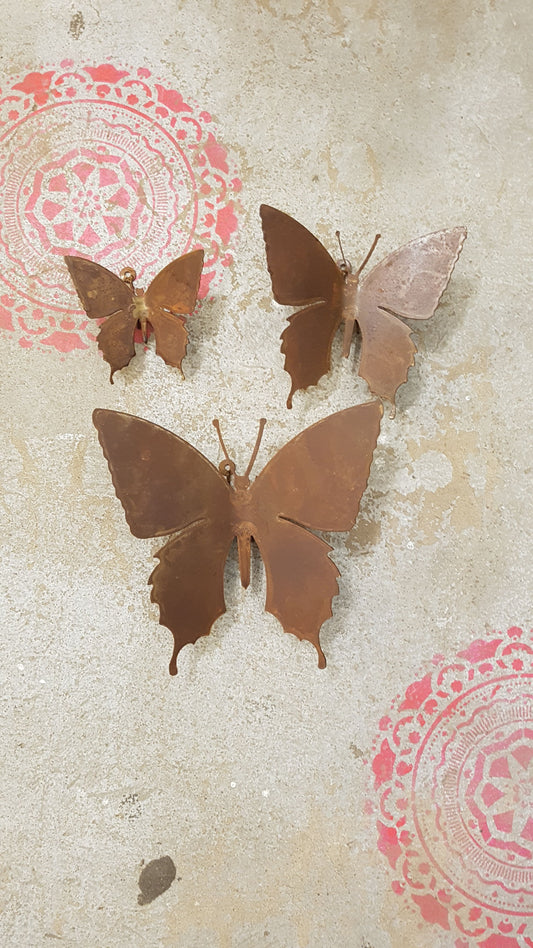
x=248, y=767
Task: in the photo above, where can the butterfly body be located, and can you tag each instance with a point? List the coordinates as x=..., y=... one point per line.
x=170, y=296
x=407, y=284
x=314, y=482
x=350, y=311
x=140, y=313
x=243, y=516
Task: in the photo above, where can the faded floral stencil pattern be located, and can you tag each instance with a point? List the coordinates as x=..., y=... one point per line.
x=145, y=181
x=453, y=768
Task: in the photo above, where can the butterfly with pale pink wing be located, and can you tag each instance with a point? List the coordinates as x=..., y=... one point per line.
x=408, y=283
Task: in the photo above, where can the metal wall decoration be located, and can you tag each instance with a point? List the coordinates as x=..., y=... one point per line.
x=407, y=283
x=171, y=296
x=315, y=482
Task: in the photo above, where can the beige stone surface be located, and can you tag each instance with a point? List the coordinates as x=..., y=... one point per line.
x=247, y=767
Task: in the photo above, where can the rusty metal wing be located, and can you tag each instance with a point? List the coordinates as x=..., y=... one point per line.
x=306, y=345
x=167, y=486
x=172, y=294
x=301, y=269
x=100, y=291
x=175, y=288
x=103, y=294
x=316, y=481
x=408, y=283
x=303, y=273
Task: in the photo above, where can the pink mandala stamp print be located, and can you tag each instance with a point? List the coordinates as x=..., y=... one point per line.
x=453, y=769
x=109, y=164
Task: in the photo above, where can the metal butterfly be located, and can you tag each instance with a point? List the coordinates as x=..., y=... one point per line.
x=171, y=295
x=314, y=482
x=407, y=283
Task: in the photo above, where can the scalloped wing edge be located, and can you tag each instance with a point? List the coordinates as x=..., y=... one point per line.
x=296, y=632
x=173, y=664
x=414, y=349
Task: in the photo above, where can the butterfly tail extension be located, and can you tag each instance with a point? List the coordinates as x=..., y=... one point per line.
x=188, y=583
x=294, y=388
x=173, y=663
x=306, y=344
x=301, y=581
x=116, y=340
x=114, y=368
x=387, y=353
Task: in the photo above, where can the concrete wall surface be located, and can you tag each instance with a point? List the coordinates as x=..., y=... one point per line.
x=382, y=802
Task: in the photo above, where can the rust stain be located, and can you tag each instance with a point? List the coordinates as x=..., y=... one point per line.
x=338, y=19
x=477, y=363
x=28, y=474
x=315, y=855
x=77, y=463
x=456, y=502
x=444, y=26
x=311, y=857
x=365, y=534
x=375, y=172
x=373, y=12
x=356, y=751
x=331, y=168
x=141, y=194
x=77, y=25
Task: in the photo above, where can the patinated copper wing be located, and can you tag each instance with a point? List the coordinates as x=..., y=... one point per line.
x=171, y=295
x=315, y=482
x=407, y=283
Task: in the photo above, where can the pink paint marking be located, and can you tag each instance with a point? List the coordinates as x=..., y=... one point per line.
x=432, y=910
x=64, y=341
x=172, y=99
x=455, y=795
x=36, y=84
x=106, y=73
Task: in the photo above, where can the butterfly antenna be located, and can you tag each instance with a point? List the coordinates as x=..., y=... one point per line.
x=346, y=265
x=222, y=445
x=369, y=254
x=262, y=423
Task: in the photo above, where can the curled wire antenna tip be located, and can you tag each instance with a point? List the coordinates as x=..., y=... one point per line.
x=338, y=236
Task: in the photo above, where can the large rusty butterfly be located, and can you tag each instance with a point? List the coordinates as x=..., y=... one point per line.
x=408, y=283
x=315, y=482
x=171, y=295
